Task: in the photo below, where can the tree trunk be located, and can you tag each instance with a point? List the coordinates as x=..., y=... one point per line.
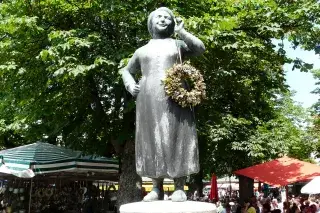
x=130, y=183
x=199, y=182
x=195, y=183
x=245, y=188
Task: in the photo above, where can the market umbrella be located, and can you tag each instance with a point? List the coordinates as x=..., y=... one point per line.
x=45, y=158
x=313, y=187
x=28, y=173
x=281, y=172
x=214, y=188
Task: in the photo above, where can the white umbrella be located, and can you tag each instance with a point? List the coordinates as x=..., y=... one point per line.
x=313, y=187
x=27, y=173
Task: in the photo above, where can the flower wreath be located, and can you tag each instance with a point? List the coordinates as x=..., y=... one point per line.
x=178, y=79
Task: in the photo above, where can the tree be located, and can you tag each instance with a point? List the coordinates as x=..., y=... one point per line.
x=315, y=113
x=59, y=63
x=287, y=134
x=59, y=76
x=248, y=73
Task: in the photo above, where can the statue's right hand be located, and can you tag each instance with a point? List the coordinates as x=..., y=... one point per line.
x=134, y=90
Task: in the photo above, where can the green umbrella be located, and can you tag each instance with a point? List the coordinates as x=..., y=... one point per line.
x=44, y=158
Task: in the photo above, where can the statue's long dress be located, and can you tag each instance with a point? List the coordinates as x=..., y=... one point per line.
x=166, y=138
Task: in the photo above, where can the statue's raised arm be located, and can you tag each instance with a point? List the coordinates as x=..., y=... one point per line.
x=190, y=44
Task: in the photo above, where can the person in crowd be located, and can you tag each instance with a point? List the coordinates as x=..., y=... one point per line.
x=220, y=207
x=306, y=206
x=276, y=193
x=266, y=200
x=286, y=207
x=196, y=195
x=302, y=205
x=239, y=208
x=234, y=205
x=227, y=208
x=249, y=207
x=254, y=203
x=274, y=204
x=266, y=208
x=276, y=211
x=166, y=196
x=294, y=208
x=205, y=199
x=256, y=193
x=313, y=208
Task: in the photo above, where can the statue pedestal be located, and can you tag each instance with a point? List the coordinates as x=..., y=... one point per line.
x=168, y=207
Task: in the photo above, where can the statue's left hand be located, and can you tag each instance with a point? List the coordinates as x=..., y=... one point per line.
x=179, y=25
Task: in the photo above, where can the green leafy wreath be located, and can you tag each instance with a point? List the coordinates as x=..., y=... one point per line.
x=178, y=79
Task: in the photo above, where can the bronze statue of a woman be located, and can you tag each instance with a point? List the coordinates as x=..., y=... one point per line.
x=166, y=138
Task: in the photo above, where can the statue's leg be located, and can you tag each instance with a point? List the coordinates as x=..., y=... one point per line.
x=179, y=195
x=156, y=192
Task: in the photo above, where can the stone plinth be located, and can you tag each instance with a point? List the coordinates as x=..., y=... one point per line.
x=168, y=207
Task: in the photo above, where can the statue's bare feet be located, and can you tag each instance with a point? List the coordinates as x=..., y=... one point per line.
x=151, y=196
x=179, y=196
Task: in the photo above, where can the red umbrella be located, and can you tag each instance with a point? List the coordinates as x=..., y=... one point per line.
x=281, y=172
x=214, y=188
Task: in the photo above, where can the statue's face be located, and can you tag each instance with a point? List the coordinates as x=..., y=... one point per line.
x=161, y=22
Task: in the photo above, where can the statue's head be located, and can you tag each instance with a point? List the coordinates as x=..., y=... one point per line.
x=161, y=23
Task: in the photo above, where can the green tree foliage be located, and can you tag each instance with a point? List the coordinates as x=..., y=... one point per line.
x=287, y=134
x=316, y=113
x=248, y=73
x=59, y=79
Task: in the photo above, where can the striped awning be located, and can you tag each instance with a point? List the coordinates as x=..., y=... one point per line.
x=45, y=158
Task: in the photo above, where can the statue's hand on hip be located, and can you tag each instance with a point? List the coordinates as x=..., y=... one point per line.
x=134, y=90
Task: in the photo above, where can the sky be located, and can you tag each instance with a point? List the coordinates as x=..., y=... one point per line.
x=302, y=83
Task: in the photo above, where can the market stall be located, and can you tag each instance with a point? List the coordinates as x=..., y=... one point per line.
x=41, y=177
x=281, y=171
